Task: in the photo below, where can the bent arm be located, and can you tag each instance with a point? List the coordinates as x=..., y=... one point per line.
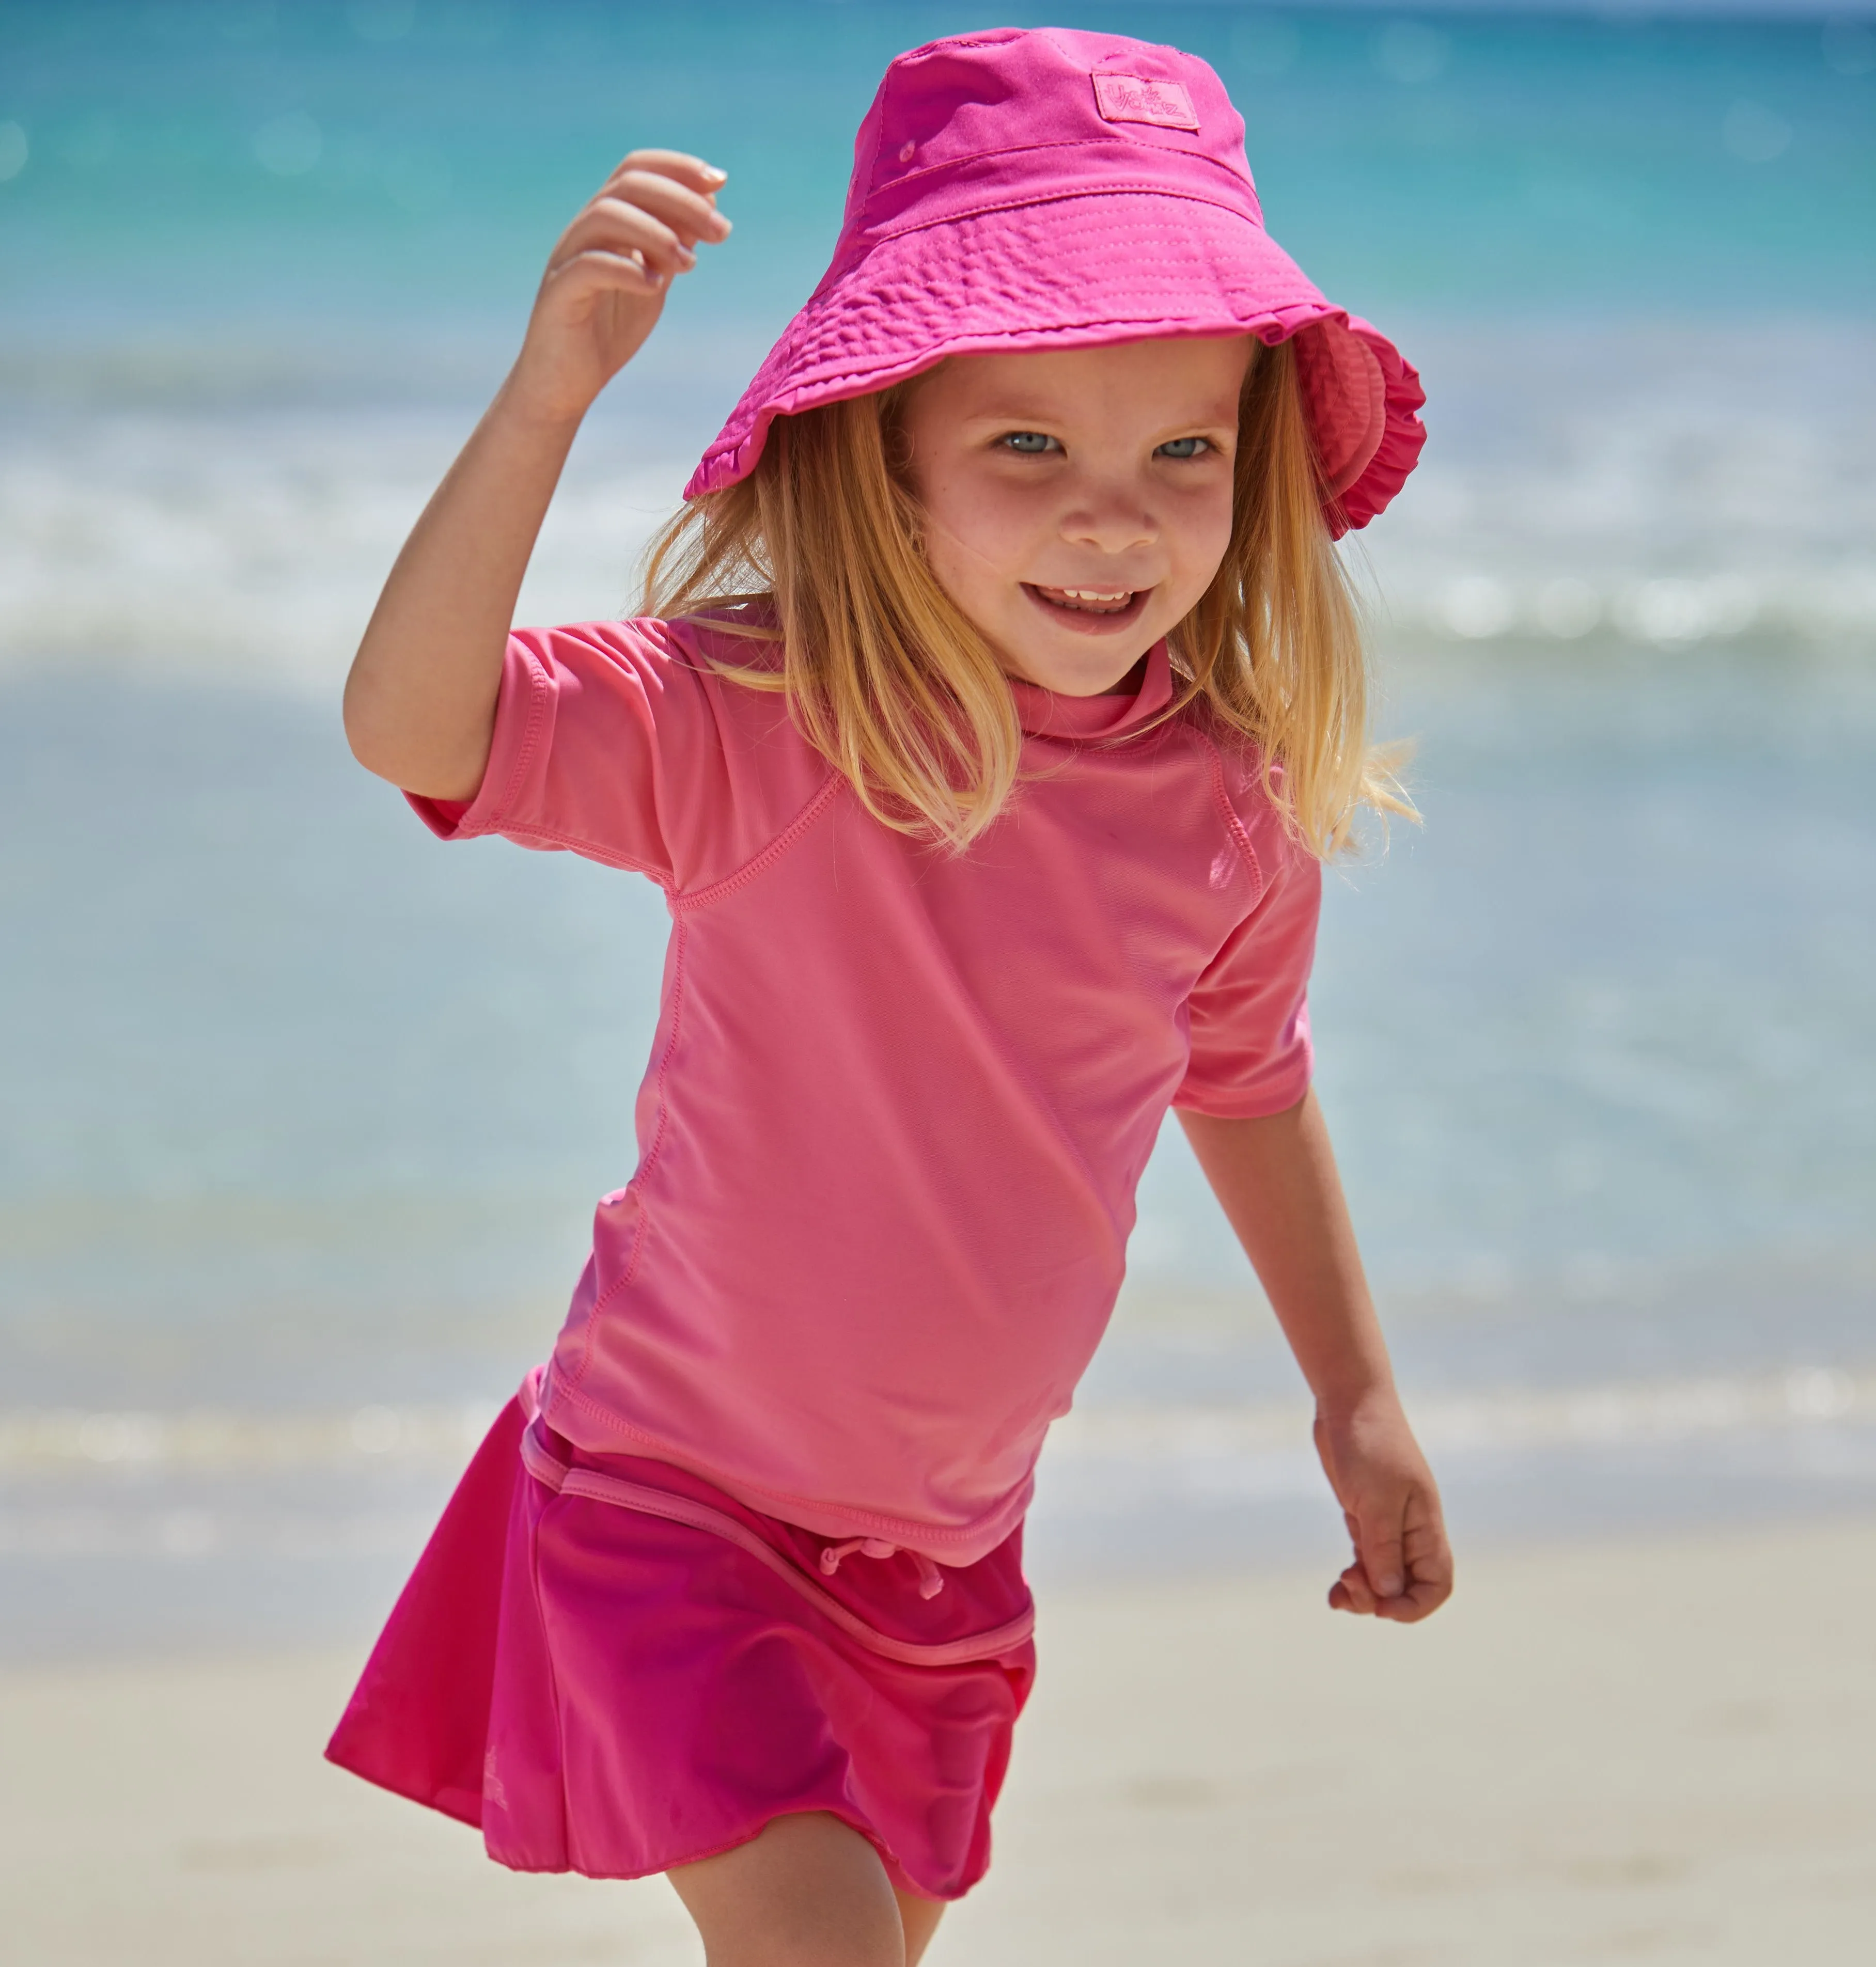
x=1276, y=1178
x=420, y=700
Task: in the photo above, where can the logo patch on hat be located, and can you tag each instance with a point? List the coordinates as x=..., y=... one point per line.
x=1132, y=98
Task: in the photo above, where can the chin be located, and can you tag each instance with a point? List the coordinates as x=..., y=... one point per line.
x=1080, y=671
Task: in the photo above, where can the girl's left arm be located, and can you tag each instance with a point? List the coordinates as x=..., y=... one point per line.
x=1276, y=1178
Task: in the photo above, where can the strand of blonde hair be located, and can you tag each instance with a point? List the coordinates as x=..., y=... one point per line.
x=818, y=549
x=1274, y=649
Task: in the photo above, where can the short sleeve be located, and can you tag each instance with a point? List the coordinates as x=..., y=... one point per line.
x=613, y=740
x=1249, y=1013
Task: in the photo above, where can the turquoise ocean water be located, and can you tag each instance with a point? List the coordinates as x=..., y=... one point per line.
x=302, y=1115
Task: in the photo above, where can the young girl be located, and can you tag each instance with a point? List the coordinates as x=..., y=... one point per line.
x=996, y=701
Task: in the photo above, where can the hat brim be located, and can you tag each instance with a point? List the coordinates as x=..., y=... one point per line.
x=1078, y=272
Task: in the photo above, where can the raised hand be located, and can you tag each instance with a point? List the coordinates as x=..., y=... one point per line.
x=608, y=278
x=420, y=702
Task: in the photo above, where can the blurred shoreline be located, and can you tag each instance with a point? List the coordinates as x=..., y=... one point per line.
x=1623, y=1747
x=206, y=1530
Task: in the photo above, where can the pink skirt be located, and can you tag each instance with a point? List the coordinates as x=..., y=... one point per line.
x=613, y=1668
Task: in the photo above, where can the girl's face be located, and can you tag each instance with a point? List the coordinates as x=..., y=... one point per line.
x=1078, y=503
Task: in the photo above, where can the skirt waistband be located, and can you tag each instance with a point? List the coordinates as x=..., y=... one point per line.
x=549, y=1470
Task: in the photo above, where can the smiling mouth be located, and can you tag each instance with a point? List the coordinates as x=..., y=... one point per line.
x=1087, y=600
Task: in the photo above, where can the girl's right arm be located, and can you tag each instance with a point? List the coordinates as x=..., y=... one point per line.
x=420, y=700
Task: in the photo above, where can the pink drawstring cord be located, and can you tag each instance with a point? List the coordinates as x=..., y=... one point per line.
x=930, y=1578
x=546, y=1468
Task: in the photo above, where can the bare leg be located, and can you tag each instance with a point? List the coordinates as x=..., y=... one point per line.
x=807, y=1892
x=919, y=1917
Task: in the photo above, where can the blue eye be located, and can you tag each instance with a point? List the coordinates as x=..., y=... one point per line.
x=1028, y=444
x=1183, y=447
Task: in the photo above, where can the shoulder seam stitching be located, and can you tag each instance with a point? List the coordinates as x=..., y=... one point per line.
x=589, y=850
x=696, y=898
x=538, y=699
x=1233, y=825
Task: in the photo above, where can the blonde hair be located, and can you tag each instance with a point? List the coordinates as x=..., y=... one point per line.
x=888, y=679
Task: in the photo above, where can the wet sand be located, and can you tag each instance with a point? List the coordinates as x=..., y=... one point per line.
x=1657, y=1751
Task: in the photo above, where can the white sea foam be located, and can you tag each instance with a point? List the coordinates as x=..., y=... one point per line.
x=1667, y=488
x=1503, y=1420
x=230, y=1443
x=184, y=1487
x=213, y=1441
x=255, y=545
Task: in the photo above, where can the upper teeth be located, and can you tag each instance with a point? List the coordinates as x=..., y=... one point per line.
x=1089, y=594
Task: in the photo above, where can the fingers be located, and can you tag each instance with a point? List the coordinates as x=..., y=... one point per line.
x=1350, y=1592
x=680, y=190
x=690, y=218
x=1429, y=1563
x=1418, y=1601
x=653, y=209
x=611, y=226
x=1378, y=1545
x=594, y=272
x=679, y=166
x=1403, y=1567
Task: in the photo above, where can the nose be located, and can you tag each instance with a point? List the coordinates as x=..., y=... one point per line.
x=1111, y=519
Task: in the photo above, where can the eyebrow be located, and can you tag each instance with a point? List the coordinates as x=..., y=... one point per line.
x=1019, y=417
x=1010, y=413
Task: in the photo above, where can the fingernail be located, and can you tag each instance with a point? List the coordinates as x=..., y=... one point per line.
x=1388, y=1587
x=715, y=176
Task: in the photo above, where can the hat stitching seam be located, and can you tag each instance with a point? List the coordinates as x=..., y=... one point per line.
x=872, y=165
x=817, y=378
x=1318, y=311
x=1034, y=204
x=1055, y=143
x=1001, y=37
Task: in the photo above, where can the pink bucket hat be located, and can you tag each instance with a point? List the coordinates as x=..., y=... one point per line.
x=1017, y=190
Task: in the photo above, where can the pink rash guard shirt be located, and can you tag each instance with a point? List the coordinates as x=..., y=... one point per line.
x=899, y=1099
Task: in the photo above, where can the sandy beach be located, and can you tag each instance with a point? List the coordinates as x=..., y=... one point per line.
x=1659, y=1751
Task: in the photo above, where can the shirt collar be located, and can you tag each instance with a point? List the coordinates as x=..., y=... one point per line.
x=1045, y=713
